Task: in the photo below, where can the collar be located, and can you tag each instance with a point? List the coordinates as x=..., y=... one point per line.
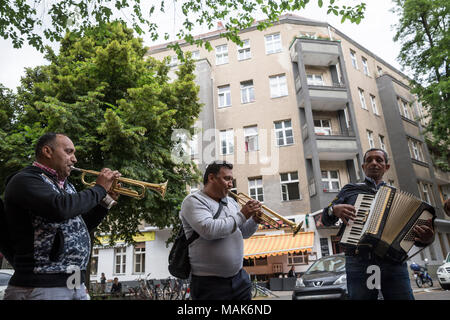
x=52, y=172
x=371, y=182
x=223, y=200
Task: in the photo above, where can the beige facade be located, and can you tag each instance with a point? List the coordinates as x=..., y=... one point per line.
x=314, y=100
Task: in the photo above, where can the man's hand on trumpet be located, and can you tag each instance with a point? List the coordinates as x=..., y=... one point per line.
x=107, y=179
x=251, y=208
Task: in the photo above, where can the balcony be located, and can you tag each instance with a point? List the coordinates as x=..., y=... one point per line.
x=336, y=147
x=316, y=52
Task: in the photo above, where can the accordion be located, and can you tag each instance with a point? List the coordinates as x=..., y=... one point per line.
x=384, y=222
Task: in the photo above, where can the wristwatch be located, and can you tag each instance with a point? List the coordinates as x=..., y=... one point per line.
x=330, y=211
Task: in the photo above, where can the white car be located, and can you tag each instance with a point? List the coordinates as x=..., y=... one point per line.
x=443, y=273
x=5, y=275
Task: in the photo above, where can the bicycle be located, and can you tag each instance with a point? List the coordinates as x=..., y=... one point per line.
x=258, y=290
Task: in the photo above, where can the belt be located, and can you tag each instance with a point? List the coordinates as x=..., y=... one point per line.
x=358, y=252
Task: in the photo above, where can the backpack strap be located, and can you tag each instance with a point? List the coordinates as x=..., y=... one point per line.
x=195, y=235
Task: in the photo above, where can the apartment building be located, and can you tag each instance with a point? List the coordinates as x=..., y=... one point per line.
x=294, y=108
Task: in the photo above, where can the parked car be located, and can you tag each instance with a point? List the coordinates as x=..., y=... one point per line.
x=443, y=273
x=324, y=279
x=5, y=275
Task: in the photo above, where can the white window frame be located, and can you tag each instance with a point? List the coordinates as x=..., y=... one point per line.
x=224, y=96
x=251, y=135
x=196, y=55
x=329, y=180
x=405, y=109
x=295, y=258
x=416, y=150
x=273, y=43
x=373, y=102
x=247, y=92
x=362, y=99
x=322, y=130
x=278, y=86
x=139, y=252
x=370, y=139
x=121, y=263
x=365, y=66
x=222, y=54
x=284, y=133
x=256, y=184
x=285, y=188
x=382, y=143
x=94, y=258
x=244, y=52
x=193, y=144
x=314, y=79
x=226, y=142
x=379, y=71
x=353, y=59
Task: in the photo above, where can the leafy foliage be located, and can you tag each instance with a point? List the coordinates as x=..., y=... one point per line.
x=22, y=18
x=425, y=39
x=120, y=110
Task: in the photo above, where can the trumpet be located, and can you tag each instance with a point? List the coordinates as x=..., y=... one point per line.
x=159, y=188
x=266, y=214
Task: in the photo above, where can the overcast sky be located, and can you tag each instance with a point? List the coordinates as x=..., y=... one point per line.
x=375, y=33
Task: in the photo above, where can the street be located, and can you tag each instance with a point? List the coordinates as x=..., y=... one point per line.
x=433, y=293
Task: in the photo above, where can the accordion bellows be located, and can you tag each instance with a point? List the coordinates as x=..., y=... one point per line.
x=386, y=222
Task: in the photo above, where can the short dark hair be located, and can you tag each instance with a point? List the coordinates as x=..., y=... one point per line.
x=214, y=168
x=48, y=139
x=376, y=149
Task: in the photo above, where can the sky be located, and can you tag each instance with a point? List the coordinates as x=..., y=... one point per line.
x=375, y=33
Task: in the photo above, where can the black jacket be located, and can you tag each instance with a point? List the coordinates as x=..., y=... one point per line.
x=49, y=227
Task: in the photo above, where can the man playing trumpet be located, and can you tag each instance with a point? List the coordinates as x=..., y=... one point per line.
x=216, y=256
x=49, y=223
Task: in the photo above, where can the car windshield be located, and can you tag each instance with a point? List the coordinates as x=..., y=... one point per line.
x=448, y=258
x=330, y=264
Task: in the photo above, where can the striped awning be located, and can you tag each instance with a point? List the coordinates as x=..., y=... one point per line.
x=274, y=245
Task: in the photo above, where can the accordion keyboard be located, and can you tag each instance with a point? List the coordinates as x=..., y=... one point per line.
x=353, y=231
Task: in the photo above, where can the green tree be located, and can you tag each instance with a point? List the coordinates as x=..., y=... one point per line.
x=26, y=19
x=424, y=35
x=119, y=109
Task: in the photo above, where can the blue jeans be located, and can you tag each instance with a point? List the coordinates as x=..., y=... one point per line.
x=394, y=279
x=56, y=293
x=237, y=287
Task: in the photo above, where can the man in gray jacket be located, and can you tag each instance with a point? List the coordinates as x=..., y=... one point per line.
x=216, y=256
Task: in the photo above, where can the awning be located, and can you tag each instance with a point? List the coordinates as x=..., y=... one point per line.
x=274, y=245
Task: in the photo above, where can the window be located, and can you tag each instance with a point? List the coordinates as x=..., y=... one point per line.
x=196, y=54
x=139, y=258
x=273, y=43
x=94, y=262
x=221, y=54
x=251, y=262
x=173, y=61
x=255, y=188
x=362, y=99
x=370, y=138
x=278, y=86
x=247, y=92
x=193, y=144
x=406, y=109
x=322, y=127
x=226, y=141
x=120, y=259
x=314, y=79
x=289, y=186
x=330, y=181
x=382, y=144
x=353, y=58
x=374, y=105
x=415, y=148
x=379, y=71
x=224, y=96
x=365, y=66
x=298, y=257
x=283, y=133
x=425, y=192
x=251, y=138
x=244, y=51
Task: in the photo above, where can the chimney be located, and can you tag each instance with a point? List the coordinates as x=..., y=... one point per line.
x=220, y=25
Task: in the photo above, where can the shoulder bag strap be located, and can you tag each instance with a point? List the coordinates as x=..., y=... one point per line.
x=195, y=235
